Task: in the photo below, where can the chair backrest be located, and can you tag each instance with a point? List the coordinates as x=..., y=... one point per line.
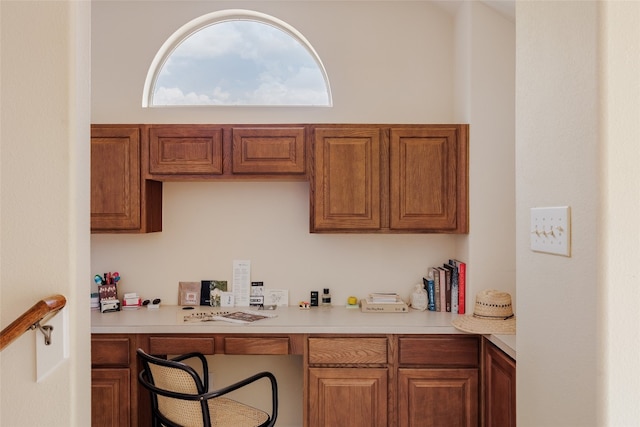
x=168, y=378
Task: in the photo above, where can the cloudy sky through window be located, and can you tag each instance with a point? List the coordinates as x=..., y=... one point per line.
x=240, y=62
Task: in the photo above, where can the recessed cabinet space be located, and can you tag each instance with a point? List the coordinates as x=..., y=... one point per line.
x=390, y=179
x=121, y=200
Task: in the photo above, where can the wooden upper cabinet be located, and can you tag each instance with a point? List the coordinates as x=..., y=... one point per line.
x=364, y=178
x=185, y=150
x=346, y=179
x=121, y=201
x=428, y=179
x=390, y=179
x=268, y=150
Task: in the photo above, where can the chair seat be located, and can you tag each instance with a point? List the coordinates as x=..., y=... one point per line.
x=228, y=412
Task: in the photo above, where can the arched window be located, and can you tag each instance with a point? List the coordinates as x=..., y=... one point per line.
x=236, y=57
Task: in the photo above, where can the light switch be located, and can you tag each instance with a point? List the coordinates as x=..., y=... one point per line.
x=551, y=230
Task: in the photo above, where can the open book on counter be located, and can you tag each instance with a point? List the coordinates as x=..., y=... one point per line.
x=233, y=316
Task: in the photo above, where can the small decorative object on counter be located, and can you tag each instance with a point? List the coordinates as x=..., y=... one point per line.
x=210, y=291
x=326, y=297
x=95, y=301
x=152, y=305
x=131, y=301
x=313, y=302
x=256, y=296
x=107, y=291
x=419, y=298
x=304, y=305
x=188, y=293
x=107, y=306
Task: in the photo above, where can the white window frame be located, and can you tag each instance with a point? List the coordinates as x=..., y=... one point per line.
x=197, y=24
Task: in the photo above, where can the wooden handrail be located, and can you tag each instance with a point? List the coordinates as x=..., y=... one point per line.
x=31, y=318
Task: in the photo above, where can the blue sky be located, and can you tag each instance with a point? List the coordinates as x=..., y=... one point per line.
x=240, y=62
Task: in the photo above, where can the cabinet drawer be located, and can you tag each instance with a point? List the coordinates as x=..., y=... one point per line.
x=256, y=345
x=439, y=351
x=181, y=345
x=347, y=350
x=110, y=351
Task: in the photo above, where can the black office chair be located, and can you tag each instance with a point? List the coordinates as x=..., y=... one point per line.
x=181, y=398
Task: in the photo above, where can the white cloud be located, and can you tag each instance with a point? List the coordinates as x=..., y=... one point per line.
x=240, y=63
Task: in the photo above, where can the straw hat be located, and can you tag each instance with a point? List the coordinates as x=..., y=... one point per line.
x=492, y=314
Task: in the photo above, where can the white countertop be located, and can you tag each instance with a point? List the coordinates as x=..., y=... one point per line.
x=289, y=320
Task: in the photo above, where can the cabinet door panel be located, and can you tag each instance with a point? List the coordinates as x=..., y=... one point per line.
x=438, y=397
x=346, y=187
x=110, y=397
x=185, y=150
x=115, y=178
x=269, y=150
x=427, y=180
x=500, y=388
x=347, y=397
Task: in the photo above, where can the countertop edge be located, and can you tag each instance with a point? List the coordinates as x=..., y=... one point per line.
x=289, y=320
x=506, y=343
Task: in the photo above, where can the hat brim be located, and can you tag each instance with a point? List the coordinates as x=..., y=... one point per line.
x=475, y=325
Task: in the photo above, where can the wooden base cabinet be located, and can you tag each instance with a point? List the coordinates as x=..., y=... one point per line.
x=437, y=397
x=500, y=387
x=393, y=380
x=113, y=381
x=438, y=380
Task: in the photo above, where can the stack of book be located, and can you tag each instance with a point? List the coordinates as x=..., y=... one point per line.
x=446, y=287
x=383, y=302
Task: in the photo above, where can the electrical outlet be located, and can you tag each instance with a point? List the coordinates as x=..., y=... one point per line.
x=551, y=230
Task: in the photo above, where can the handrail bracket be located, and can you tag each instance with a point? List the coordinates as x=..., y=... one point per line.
x=46, y=331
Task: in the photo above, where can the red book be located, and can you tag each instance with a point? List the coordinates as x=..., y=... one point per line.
x=462, y=285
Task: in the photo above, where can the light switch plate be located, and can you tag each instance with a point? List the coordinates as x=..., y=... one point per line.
x=551, y=230
x=50, y=356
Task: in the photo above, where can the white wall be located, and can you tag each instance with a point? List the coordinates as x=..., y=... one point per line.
x=562, y=376
x=618, y=279
x=406, y=52
x=485, y=98
x=45, y=203
x=388, y=62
